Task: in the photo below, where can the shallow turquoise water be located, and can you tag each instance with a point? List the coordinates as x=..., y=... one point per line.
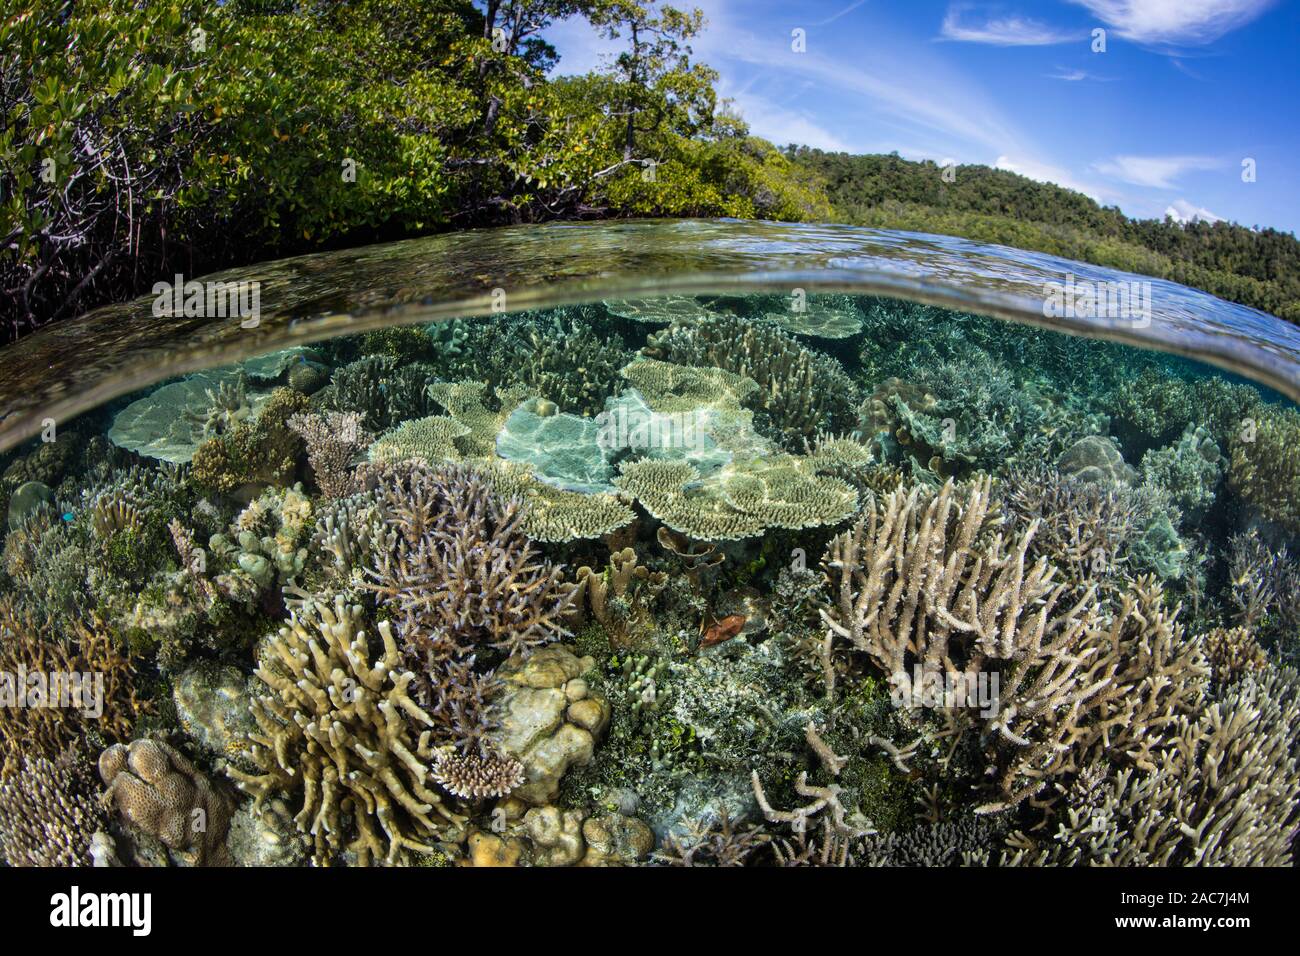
x=669, y=550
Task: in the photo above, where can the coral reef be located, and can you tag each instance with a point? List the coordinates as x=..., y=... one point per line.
x=159, y=792
x=334, y=441
x=1188, y=471
x=802, y=392
x=260, y=452
x=542, y=589
x=340, y=733
x=50, y=811
x=58, y=690
x=1223, y=794
x=1265, y=469
x=173, y=421
x=550, y=721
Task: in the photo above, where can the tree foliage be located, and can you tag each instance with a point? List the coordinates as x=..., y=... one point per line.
x=143, y=139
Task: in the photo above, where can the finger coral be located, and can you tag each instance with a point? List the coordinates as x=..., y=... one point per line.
x=340, y=731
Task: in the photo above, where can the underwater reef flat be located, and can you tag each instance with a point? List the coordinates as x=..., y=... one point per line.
x=667, y=581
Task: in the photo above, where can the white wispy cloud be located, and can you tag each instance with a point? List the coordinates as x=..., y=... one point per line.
x=1180, y=210
x=1175, y=22
x=1075, y=76
x=1011, y=30
x=780, y=125
x=1155, y=172
x=915, y=94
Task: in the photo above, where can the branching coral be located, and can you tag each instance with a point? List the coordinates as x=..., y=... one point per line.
x=262, y=451
x=620, y=597
x=50, y=812
x=333, y=440
x=1265, y=468
x=55, y=691
x=380, y=390
x=925, y=586
x=337, y=729
x=1224, y=794
x=1086, y=529
x=1232, y=654
x=463, y=574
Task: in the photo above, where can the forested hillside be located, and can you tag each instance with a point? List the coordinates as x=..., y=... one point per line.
x=1260, y=268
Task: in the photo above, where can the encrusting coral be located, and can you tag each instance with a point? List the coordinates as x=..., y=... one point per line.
x=340, y=732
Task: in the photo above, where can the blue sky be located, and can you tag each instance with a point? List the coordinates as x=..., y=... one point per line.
x=1160, y=121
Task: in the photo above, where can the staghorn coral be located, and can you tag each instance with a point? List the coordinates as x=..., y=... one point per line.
x=1265, y=469
x=158, y=791
x=573, y=365
x=1233, y=654
x=333, y=440
x=50, y=811
x=803, y=391
x=338, y=730
x=712, y=842
x=1087, y=529
x=924, y=585
x=1264, y=584
x=463, y=574
x=77, y=684
x=1224, y=794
